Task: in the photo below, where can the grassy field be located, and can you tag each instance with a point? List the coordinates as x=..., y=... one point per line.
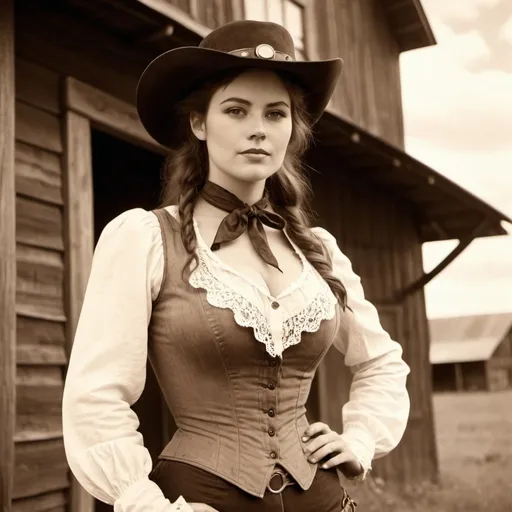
x=474, y=437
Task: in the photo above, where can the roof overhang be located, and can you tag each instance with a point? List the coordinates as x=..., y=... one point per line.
x=409, y=24
x=462, y=351
x=443, y=209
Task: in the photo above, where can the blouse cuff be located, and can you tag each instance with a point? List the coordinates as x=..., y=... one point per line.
x=145, y=496
x=361, y=443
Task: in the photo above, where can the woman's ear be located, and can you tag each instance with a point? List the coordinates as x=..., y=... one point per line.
x=197, y=124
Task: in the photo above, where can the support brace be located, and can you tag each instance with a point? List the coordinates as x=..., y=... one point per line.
x=427, y=277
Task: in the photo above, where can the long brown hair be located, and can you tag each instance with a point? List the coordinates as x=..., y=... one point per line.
x=185, y=172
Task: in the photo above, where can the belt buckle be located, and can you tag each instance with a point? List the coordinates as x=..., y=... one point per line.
x=285, y=481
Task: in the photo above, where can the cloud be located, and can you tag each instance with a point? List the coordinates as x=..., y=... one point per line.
x=451, y=106
x=505, y=33
x=457, y=10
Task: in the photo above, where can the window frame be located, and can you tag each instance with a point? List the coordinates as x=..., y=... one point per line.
x=302, y=4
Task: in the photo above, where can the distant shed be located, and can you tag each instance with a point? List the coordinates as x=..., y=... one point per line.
x=471, y=352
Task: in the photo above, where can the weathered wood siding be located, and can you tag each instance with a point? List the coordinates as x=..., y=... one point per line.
x=378, y=235
x=211, y=13
x=369, y=91
x=41, y=471
x=7, y=254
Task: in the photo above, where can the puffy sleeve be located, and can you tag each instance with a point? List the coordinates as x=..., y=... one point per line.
x=375, y=417
x=107, y=368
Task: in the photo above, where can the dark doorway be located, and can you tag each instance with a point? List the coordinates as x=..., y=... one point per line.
x=126, y=176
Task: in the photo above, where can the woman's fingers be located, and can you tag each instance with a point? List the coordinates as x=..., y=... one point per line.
x=318, y=442
x=315, y=429
x=341, y=458
x=330, y=445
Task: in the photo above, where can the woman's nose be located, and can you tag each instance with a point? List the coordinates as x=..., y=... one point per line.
x=258, y=135
x=257, y=129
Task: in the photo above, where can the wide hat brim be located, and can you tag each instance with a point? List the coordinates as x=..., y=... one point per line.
x=173, y=75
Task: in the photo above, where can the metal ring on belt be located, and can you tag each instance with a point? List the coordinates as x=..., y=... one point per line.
x=284, y=479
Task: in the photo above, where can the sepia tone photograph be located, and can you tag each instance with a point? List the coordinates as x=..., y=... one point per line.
x=256, y=255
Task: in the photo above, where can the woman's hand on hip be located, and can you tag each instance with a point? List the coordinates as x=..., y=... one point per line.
x=201, y=507
x=328, y=448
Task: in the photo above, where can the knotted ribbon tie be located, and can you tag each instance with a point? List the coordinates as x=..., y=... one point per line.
x=242, y=217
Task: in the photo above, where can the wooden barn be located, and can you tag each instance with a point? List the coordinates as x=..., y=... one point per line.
x=471, y=353
x=73, y=155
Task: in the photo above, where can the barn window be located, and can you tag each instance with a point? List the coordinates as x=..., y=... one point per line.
x=289, y=13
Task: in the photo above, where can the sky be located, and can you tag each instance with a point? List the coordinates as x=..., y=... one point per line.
x=457, y=100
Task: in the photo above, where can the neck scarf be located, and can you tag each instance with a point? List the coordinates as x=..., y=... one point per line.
x=242, y=217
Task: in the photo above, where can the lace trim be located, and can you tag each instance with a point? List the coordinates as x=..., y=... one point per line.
x=308, y=320
x=246, y=314
x=219, y=295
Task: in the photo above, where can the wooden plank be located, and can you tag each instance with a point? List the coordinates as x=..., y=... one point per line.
x=112, y=69
x=38, y=174
x=32, y=331
x=173, y=13
x=48, y=502
x=37, y=127
x=39, y=224
x=37, y=86
x=39, y=285
x=7, y=254
x=41, y=355
x=79, y=244
x=39, y=403
x=40, y=467
x=111, y=113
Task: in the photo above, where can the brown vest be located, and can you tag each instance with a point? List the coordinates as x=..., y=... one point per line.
x=239, y=411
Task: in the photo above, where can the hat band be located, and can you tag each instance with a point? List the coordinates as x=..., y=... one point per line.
x=262, y=51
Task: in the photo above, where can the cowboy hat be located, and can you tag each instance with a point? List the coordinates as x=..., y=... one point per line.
x=172, y=75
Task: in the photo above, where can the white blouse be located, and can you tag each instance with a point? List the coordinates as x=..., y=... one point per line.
x=107, y=368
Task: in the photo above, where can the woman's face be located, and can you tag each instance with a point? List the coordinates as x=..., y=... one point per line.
x=251, y=113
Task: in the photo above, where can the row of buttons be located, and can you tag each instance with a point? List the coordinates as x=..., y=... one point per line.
x=271, y=385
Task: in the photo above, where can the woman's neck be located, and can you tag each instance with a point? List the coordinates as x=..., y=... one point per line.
x=249, y=193
x=204, y=209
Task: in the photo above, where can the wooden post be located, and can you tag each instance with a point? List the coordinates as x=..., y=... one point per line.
x=79, y=245
x=7, y=256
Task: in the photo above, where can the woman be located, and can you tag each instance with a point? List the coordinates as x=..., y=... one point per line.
x=234, y=299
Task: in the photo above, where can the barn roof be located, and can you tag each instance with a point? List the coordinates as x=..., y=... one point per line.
x=409, y=24
x=443, y=209
x=467, y=338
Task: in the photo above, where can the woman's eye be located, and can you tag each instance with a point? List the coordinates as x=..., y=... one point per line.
x=276, y=114
x=235, y=111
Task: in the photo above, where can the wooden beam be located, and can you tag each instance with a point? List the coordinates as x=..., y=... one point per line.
x=7, y=255
x=79, y=245
x=173, y=13
x=428, y=276
x=108, y=113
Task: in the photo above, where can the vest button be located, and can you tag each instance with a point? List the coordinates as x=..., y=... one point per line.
x=271, y=412
x=271, y=385
x=273, y=362
x=275, y=305
x=271, y=432
x=273, y=455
